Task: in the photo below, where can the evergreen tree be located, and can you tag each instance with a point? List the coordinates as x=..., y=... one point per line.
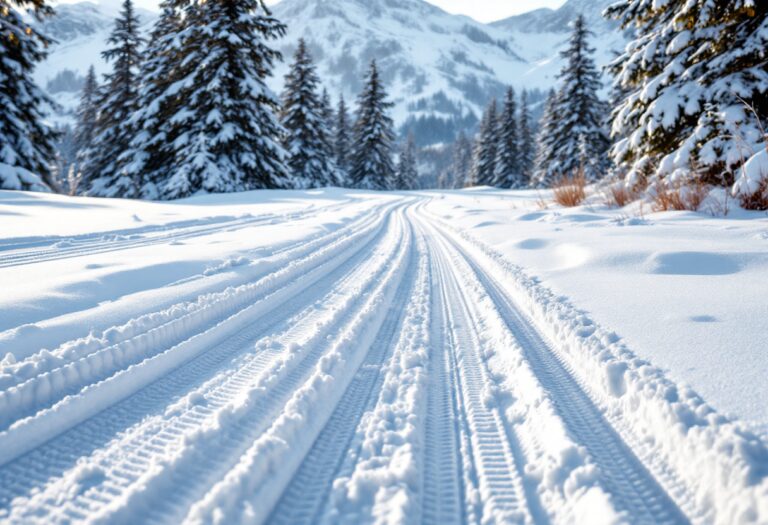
x=484, y=169
x=579, y=141
x=26, y=143
x=117, y=101
x=85, y=130
x=461, y=162
x=65, y=160
x=543, y=177
x=527, y=144
x=151, y=157
x=342, y=140
x=407, y=171
x=507, y=169
x=371, y=165
x=305, y=117
x=228, y=132
x=685, y=76
x=326, y=110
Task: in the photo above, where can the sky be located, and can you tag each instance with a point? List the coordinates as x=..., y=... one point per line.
x=482, y=10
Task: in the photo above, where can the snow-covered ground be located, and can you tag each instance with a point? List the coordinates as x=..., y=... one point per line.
x=348, y=357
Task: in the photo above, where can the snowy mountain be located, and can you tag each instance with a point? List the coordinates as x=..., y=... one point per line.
x=441, y=69
x=80, y=32
x=557, y=20
x=539, y=35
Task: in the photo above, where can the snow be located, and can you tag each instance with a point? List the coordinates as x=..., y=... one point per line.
x=339, y=356
x=685, y=280
x=753, y=175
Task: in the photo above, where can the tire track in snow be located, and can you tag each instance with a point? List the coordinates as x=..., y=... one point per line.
x=308, y=492
x=443, y=500
x=264, y=266
x=68, y=374
x=24, y=474
x=111, y=241
x=185, y=471
x=493, y=485
x=245, y=493
x=632, y=487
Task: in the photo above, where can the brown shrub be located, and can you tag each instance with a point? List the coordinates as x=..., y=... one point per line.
x=686, y=197
x=619, y=196
x=570, y=191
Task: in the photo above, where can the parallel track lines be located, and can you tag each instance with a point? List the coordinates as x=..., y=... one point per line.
x=634, y=489
x=164, y=389
x=500, y=495
x=302, y=501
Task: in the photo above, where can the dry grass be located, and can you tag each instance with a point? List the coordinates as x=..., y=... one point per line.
x=541, y=202
x=680, y=198
x=619, y=196
x=570, y=191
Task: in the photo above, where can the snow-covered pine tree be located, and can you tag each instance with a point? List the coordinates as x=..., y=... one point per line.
x=329, y=117
x=117, y=101
x=65, y=160
x=326, y=109
x=527, y=144
x=484, y=168
x=579, y=139
x=461, y=161
x=407, y=170
x=151, y=157
x=85, y=129
x=226, y=115
x=304, y=117
x=342, y=141
x=507, y=169
x=687, y=73
x=543, y=177
x=371, y=165
x=26, y=143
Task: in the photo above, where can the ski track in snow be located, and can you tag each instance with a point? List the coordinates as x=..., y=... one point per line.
x=388, y=371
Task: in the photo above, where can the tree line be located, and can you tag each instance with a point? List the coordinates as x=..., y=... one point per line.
x=187, y=110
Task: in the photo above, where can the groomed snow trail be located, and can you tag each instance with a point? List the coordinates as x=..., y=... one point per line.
x=390, y=370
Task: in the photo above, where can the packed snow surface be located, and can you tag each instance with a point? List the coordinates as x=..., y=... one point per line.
x=335, y=356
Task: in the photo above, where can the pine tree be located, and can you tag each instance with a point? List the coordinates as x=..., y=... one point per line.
x=407, y=171
x=371, y=165
x=461, y=161
x=484, y=169
x=305, y=117
x=228, y=132
x=26, y=143
x=507, y=171
x=65, y=160
x=543, y=177
x=342, y=141
x=151, y=157
x=686, y=75
x=117, y=101
x=326, y=110
x=527, y=144
x=579, y=140
x=85, y=130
